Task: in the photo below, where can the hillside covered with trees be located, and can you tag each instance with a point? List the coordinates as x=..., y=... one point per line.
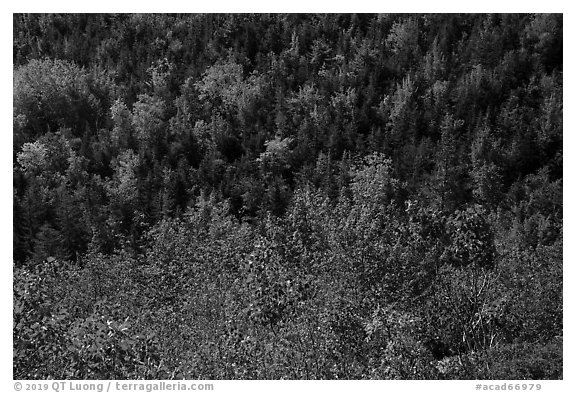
x=297, y=196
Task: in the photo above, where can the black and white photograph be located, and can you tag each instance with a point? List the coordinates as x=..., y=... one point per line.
x=287, y=196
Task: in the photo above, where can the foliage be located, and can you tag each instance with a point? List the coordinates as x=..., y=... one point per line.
x=288, y=196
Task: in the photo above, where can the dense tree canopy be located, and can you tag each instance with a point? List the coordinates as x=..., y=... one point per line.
x=288, y=196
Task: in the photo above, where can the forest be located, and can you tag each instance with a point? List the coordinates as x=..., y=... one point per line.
x=287, y=196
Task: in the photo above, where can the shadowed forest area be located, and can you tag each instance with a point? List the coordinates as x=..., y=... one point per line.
x=287, y=196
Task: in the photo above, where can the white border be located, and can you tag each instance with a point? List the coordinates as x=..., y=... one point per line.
x=568, y=384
